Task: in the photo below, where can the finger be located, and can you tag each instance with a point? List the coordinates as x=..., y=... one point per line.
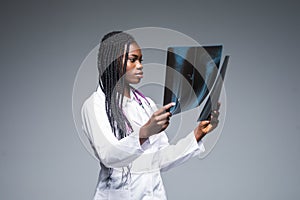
x=216, y=113
x=213, y=119
x=204, y=123
x=218, y=105
x=164, y=116
x=164, y=126
x=163, y=122
x=164, y=108
x=208, y=128
x=214, y=123
x=214, y=116
x=168, y=106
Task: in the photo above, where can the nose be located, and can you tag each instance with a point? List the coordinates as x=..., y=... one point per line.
x=139, y=65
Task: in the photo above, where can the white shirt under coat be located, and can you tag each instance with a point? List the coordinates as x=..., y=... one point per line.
x=146, y=161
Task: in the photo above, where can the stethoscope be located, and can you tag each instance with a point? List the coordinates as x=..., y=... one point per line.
x=138, y=97
x=137, y=93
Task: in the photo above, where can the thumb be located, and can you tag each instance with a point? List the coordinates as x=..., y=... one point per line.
x=204, y=123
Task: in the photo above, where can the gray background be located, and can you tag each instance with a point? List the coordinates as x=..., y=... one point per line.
x=44, y=42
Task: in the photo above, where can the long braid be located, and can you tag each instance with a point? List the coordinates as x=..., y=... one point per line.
x=111, y=71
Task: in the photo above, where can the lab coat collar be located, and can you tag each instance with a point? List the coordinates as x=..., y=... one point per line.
x=126, y=99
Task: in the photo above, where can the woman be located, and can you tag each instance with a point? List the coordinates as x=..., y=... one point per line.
x=126, y=130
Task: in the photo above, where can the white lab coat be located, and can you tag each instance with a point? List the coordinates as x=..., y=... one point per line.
x=146, y=161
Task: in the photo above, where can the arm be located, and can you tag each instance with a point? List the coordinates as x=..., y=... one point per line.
x=108, y=149
x=190, y=146
x=177, y=154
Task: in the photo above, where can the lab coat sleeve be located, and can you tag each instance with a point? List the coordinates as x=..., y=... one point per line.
x=108, y=149
x=173, y=155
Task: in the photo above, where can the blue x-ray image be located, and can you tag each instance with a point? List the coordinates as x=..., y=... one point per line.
x=212, y=101
x=190, y=75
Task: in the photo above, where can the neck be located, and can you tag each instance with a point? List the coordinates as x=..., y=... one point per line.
x=127, y=91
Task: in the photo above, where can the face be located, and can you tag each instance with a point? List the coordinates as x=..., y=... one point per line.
x=134, y=68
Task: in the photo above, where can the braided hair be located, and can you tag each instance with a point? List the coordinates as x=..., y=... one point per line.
x=112, y=62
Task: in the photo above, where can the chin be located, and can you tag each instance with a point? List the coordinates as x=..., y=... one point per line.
x=136, y=81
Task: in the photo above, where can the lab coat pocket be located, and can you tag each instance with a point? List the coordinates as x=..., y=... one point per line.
x=112, y=194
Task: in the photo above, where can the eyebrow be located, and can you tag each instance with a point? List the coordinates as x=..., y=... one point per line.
x=134, y=55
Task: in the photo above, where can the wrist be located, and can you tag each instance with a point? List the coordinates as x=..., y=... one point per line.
x=198, y=134
x=143, y=133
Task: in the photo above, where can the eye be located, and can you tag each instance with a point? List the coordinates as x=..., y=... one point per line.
x=132, y=60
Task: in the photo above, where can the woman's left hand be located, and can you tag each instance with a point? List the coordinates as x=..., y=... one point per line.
x=204, y=127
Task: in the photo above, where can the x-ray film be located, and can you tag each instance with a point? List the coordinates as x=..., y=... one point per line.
x=212, y=101
x=190, y=75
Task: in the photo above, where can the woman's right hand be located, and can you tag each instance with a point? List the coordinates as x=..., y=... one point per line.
x=158, y=122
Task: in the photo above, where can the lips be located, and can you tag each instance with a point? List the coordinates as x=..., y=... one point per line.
x=140, y=74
